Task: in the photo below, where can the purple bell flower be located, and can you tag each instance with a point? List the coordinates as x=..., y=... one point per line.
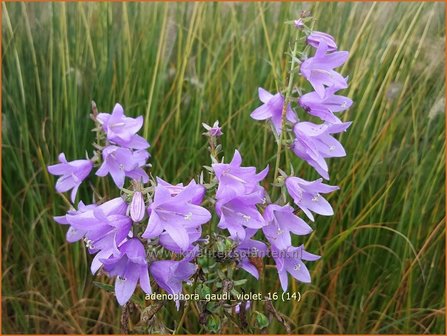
x=306, y=195
x=236, y=180
x=290, y=260
x=120, y=162
x=272, y=109
x=281, y=221
x=199, y=190
x=238, y=213
x=175, y=214
x=121, y=130
x=73, y=235
x=316, y=37
x=129, y=267
x=314, y=143
x=170, y=274
x=319, y=70
x=72, y=174
x=324, y=107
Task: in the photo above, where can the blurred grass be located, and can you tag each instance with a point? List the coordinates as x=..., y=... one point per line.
x=179, y=64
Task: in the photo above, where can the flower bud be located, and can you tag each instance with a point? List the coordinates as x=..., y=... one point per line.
x=137, y=207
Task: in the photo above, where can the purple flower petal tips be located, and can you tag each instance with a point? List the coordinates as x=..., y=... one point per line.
x=272, y=110
x=72, y=174
x=121, y=130
x=306, y=195
x=129, y=267
x=315, y=38
x=319, y=69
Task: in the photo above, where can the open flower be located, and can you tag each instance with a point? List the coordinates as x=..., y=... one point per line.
x=281, y=221
x=175, y=214
x=238, y=213
x=170, y=274
x=290, y=260
x=120, y=162
x=319, y=69
x=306, y=194
x=121, y=130
x=176, y=189
x=72, y=174
x=73, y=234
x=315, y=38
x=130, y=267
x=272, y=109
x=314, y=143
x=236, y=180
x=324, y=107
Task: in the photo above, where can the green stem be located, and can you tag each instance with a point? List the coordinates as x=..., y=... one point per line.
x=286, y=103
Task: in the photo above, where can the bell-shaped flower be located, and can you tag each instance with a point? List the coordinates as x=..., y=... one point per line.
x=271, y=109
x=170, y=274
x=314, y=143
x=130, y=267
x=319, y=69
x=236, y=180
x=121, y=130
x=306, y=195
x=137, y=208
x=73, y=235
x=120, y=162
x=72, y=174
x=281, y=221
x=194, y=234
x=178, y=188
x=238, y=213
x=290, y=260
x=175, y=214
x=315, y=38
x=324, y=107
x=105, y=226
x=249, y=249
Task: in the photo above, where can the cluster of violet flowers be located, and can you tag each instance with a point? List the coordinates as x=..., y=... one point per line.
x=151, y=214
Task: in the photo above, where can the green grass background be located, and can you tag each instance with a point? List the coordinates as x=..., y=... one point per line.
x=178, y=64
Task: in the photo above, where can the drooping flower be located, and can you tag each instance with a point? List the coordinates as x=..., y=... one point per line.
x=272, y=109
x=314, y=143
x=137, y=207
x=306, y=195
x=236, y=180
x=120, y=162
x=175, y=214
x=121, y=130
x=170, y=274
x=238, y=213
x=129, y=267
x=315, y=38
x=247, y=249
x=324, y=107
x=72, y=174
x=290, y=260
x=73, y=235
x=319, y=69
x=281, y=221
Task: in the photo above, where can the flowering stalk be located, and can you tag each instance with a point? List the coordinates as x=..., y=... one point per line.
x=286, y=103
x=152, y=235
